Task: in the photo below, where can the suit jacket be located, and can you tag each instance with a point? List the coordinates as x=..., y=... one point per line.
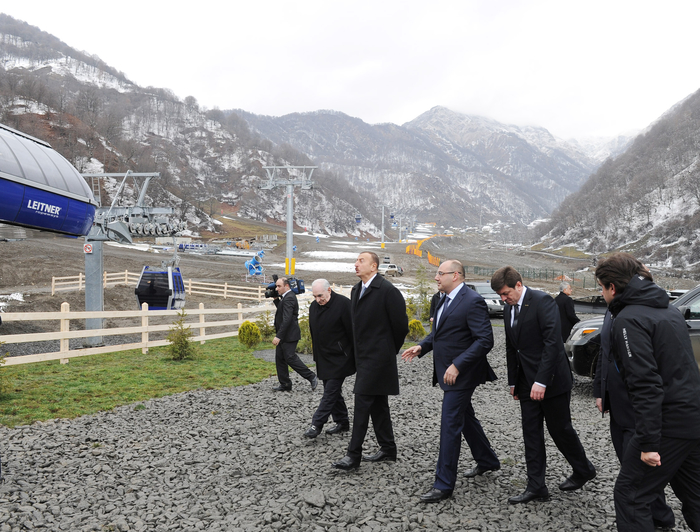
x=331, y=335
x=567, y=314
x=534, y=349
x=287, y=318
x=608, y=383
x=380, y=325
x=463, y=337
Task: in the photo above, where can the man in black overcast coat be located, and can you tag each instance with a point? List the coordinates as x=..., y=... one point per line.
x=330, y=323
x=567, y=313
x=380, y=326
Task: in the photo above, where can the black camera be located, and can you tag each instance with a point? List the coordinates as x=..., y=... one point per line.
x=271, y=290
x=297, y=286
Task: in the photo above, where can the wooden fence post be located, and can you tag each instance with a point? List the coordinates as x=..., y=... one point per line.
x=240, y=314
x=225, y=288
x=65, y=327
x=202, y=330
x=53, y=285
x=144, y=323
x=189, y=289
x=80, y=281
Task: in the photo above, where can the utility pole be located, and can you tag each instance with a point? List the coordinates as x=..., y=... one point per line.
x=382, y=226
x=306, y=184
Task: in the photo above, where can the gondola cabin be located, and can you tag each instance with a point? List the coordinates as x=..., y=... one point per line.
x=40, y=189
x=161, y=289
x=358, y=217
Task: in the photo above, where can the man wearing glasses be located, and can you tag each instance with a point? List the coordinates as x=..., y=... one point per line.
x=460, y=340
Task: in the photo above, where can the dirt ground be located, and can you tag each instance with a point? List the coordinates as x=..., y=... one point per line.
x=27, y=266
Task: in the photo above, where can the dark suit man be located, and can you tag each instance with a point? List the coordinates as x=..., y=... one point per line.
x=287, y=336
x=460, y=340
x=611, y=397
x=567, y=313
x=330, y=323
x=540, y=378
x=380, y=325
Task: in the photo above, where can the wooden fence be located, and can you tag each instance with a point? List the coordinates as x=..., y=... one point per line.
x=233, y=317
x=127, y=278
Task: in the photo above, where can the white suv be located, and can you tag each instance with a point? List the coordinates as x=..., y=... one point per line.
x=390, y=270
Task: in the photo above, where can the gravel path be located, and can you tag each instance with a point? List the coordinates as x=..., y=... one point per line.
x=236, y=459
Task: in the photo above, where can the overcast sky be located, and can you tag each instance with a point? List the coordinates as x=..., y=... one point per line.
x=599, y=67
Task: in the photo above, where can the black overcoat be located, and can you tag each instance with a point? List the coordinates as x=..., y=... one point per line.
x=380, y=326
x=331, y=335
x=567, y=314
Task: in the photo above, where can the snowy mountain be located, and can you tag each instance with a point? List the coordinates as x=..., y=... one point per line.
x=647, y=200
x=450, y=167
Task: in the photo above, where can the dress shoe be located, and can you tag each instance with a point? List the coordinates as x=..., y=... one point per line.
x=575, y=482
x=281, y=388
x=314, y=383
x=312, y=431
x=527, y=496
x=436, y=495
x=664, y=527
x=338, y=428
x=478, y=470
x=346, y=464
x=380, y=456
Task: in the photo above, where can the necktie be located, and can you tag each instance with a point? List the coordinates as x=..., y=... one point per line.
x=515, y=316
x=444, y=309
x=362, y=292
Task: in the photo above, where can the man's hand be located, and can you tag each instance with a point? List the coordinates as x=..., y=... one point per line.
x=537, y=392
x=411, y=353
x=512, y=392
x=275, y=341
x=451, y=375
x=599, y=404
x=651, y=459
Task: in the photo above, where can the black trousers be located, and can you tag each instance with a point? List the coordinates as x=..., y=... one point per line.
x=332, y=404
x=285, y=355
x=621, y=436
x=458, y=419
x=555, y=411
x=638, y=484
x=375, y=407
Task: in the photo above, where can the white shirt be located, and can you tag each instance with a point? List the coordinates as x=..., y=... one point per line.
x=365, y=286
x=450, y=297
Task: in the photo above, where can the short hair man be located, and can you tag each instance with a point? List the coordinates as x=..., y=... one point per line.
x=540, y=379
x=330, y=324
x=567, y=312
x=287, y=337
x=652, y=348
x=380, y=325
x=460, y=339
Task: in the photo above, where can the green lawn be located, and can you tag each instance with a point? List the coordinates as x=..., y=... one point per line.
x=48, y=390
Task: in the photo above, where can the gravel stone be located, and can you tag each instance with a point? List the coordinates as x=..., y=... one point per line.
x=177, y=466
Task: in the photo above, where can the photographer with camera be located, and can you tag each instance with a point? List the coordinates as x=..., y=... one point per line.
x=287, y=336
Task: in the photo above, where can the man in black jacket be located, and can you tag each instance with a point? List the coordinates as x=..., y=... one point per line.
x=540, y=379
x=611, y=398
x=652, y=349
x=567, y=313
x=330, y=323
x=287, y=337
x=380, y=325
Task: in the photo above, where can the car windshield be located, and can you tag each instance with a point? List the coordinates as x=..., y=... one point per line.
x=486, y=291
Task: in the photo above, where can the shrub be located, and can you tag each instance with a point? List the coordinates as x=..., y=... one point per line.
x=305, y=346
x=416, y=331
x=180, y=347
x=249, y=334
x=266, y=326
